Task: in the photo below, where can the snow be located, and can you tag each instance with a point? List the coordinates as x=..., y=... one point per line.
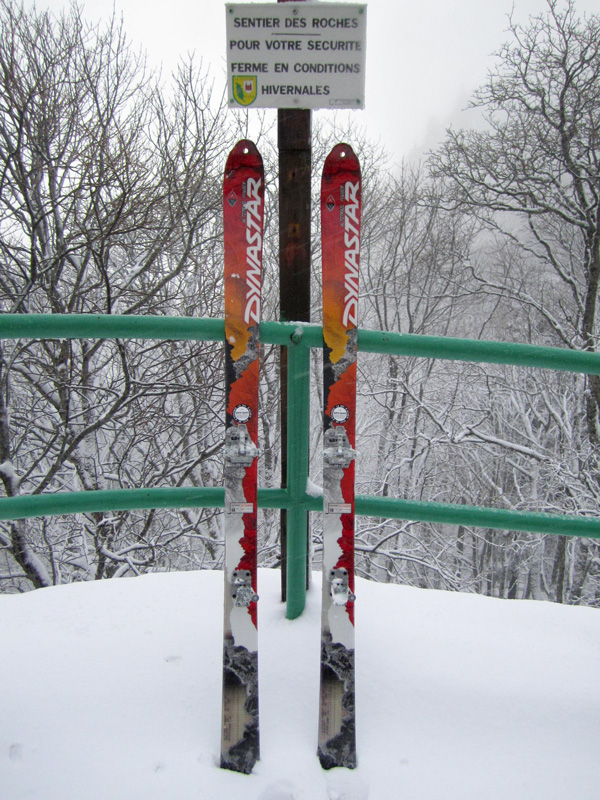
x=8, y=470
x=313, y=489
x=112, y=689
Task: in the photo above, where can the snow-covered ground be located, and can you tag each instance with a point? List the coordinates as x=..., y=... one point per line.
x=112, y=690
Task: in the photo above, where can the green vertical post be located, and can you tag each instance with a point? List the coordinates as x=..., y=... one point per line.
x=298, y=413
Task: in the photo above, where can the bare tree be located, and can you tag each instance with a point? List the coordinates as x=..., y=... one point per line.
x=534, y=173
x=532, y=177
x=109, y=203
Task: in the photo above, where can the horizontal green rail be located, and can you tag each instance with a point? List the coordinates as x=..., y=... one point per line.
x=39, y=505
x=299, y=338
x=107, y=326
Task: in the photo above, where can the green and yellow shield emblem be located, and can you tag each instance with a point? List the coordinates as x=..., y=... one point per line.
x=244, y=89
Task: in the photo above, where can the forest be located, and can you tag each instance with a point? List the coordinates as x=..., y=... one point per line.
x=110, y=203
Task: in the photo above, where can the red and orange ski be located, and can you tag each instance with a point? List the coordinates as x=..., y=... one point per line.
x=243, y=216
x=340, y=234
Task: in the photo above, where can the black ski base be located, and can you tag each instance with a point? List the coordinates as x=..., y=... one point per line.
x=243, y=756
x=331, y=762
x=337, y=677
x=340, y=751
x=240, y=673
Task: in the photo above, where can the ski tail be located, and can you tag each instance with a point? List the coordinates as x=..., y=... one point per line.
x=243, y=220
x=341, y=204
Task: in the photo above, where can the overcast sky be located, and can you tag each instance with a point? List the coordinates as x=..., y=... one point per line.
x=424, y=57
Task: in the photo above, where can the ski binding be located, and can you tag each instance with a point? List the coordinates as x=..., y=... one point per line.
x=339, y=587
x=241, y=588
x=337, y=451
x=239, y=447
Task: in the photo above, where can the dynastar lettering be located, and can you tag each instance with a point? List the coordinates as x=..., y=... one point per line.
x=351, y=253
x=253, y=250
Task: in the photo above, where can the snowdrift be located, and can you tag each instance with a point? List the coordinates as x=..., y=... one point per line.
x=112, y=690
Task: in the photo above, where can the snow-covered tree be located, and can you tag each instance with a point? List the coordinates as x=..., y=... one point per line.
x=533, y=174
x=109, y=203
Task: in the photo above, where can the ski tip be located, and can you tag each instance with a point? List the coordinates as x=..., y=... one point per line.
x=342, y=150
x=341, y=157
x=245, y=152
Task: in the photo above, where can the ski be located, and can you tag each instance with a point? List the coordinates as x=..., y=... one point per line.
x=340, y=234
x=243, y=215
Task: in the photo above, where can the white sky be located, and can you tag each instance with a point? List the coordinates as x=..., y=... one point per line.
x=424, y=57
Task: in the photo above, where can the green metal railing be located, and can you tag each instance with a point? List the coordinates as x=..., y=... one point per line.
x=299, y=338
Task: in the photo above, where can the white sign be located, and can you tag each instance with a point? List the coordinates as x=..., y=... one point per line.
x=296, y=55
